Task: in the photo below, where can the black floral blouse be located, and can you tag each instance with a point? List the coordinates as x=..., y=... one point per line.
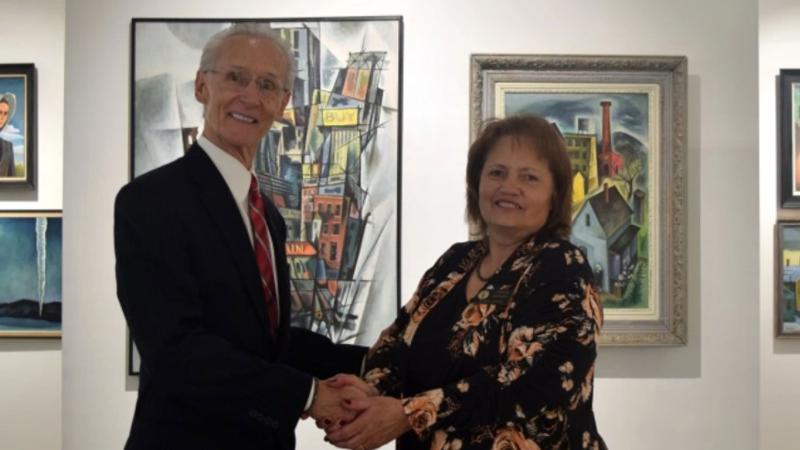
x=511, y=368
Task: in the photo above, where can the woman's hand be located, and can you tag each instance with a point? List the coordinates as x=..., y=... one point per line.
x=343, y=379
x=379, y=420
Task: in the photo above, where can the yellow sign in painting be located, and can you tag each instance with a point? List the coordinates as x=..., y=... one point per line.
x=340, y=117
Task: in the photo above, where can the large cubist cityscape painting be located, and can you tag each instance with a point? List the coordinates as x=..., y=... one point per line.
x=30, y=274
x=330, y=164
x=622, y=120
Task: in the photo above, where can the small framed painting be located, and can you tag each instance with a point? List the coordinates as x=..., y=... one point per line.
x=30, y=274
x=787, y=292
x=17, y=126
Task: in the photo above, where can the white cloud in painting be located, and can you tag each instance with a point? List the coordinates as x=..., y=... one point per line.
x=13, y=134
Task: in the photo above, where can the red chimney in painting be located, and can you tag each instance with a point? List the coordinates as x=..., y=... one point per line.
x=610, y=162
x=606, y=127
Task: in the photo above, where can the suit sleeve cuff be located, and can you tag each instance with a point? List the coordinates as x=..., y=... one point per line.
x=312, y=394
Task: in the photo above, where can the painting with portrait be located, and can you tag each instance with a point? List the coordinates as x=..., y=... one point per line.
x=17, y=125
x=622, y=141
x=330, y=164
x=30, y=274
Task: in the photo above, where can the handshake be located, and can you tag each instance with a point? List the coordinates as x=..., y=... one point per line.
x=354, y=416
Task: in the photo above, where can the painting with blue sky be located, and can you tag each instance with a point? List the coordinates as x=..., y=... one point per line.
x=14, y=131
x=30, y=274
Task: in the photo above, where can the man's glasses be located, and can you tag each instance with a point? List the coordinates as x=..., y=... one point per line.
x=239, y=79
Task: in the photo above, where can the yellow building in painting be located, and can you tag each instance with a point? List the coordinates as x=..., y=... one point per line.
x=582, y=149
x=791, y=274
x=791, y=257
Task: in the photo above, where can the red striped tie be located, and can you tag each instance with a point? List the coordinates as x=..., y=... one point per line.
x=261, y=247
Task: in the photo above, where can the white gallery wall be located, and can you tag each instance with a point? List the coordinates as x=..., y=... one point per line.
x=779, y=48
x=699, y=397
x=30, y=369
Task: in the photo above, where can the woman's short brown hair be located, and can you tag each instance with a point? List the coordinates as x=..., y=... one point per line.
x=549, y=145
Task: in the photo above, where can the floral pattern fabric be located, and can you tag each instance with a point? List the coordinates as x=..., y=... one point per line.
x=511, y=368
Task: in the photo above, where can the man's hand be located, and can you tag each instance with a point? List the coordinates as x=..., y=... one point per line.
x=379, y=420
x=328, y=409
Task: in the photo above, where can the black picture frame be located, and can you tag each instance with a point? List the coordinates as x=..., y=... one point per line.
x=138, y=129
x=18, y=135
x=788, y=134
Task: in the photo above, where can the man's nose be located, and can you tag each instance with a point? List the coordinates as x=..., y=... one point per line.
x=250, y=91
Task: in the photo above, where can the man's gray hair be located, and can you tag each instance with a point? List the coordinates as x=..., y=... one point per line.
x=208, y=59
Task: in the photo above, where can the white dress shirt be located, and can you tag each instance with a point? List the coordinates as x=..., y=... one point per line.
x=237, y=177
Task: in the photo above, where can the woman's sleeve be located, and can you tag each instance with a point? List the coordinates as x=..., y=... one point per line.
x=546, y=365
x=385, y=365
x=387, y=361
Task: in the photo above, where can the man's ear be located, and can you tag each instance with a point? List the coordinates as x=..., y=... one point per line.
x=201, y=87
x=284, y=102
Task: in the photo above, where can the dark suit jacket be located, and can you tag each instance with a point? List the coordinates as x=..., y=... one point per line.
x=7, y=168
x=212, y=377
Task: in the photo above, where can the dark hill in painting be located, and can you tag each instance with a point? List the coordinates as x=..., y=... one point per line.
x=630, y=147
x=29, y=309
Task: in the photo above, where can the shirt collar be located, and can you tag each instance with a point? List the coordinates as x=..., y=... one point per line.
x=236, y=175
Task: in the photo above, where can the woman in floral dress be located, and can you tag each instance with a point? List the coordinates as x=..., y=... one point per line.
x=496, y=348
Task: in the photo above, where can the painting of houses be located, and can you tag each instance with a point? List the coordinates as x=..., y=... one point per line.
x=603, y=228
x=623, y=121
x=609, y=140
x=788, y=292
x=330, y=164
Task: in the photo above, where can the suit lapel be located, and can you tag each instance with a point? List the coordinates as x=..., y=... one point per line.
x=221, y=207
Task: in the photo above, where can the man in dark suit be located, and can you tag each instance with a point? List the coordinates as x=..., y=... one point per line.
x=202, y=275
